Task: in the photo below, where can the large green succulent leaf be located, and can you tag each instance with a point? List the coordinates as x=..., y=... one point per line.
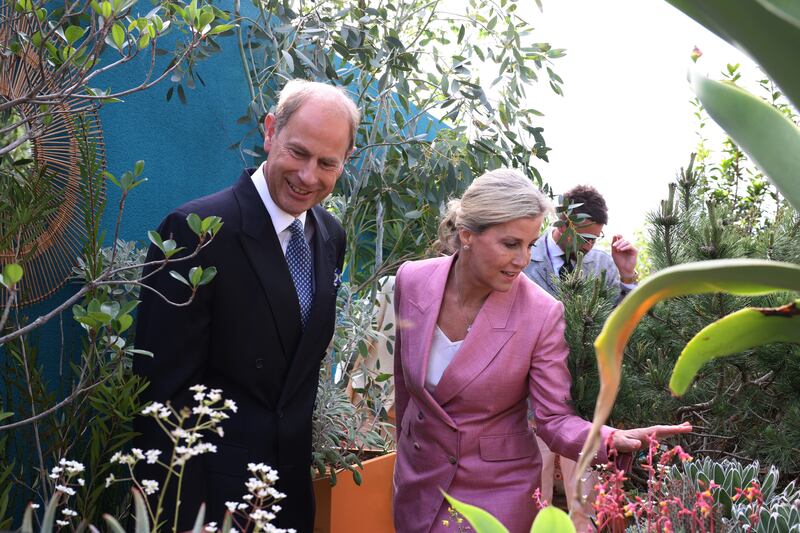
x=552, y=520
x=766, y=30
x=736, y=276
x=734, y=333
x=770, y=139
x=789, y=10
x=142, y=518
x=480, y=520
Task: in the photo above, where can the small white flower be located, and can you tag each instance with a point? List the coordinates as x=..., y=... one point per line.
x=276, y=508
x=149, y=486
x=65, y=490
x=137, y=453
x=247, y=497
x=164, y=413
x=109, y=480
x=68, y=512
x=116, y=458
x=72, y=467
x=152, y=408
x=230, y=404
x=199, y=397
x=81, y=482
x=214, y=395
x=231, y=506
x=211, y=527
x=197, y=388
x=152, y=456
x=55, y=473
x=34, y=506
x=62, y=523
x=220, y=431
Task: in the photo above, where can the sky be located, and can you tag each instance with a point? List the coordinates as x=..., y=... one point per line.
x=625, y=123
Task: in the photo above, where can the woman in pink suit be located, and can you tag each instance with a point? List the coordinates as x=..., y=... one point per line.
x=474, y=340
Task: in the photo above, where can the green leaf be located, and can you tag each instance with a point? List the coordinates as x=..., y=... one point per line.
x=179, y=277
x=789, y=10
x=142, y=520
x=763, y=29
x=770, y=139
x=73, y=33
x=208, y=274
x=734, y=333
x=552, y=520
x=27, y=520
x=479, y=519
x=735, y=276
x=118, y=35
x=227, y=523
x=50, y=513
x=155, y=238
x=289, y=61
x=221, y=28
x=5, y=414
x=195, y=274
x=195, y=224
x=123, y=322
x=113, y=525
x=12, y=273
x=199, y=521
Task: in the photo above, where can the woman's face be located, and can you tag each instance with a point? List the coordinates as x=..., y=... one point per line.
x=497, y=255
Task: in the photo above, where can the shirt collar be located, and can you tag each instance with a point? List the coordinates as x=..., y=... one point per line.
x=281, y=220
x=552, y=247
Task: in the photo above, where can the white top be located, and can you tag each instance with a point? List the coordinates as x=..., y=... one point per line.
x=281, y=220
x=443, y=350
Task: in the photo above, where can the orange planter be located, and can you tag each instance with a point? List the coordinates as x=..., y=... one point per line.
x=350, y=508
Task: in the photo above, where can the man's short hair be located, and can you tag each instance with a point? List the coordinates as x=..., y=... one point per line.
x=593, y=202
x=296, y=92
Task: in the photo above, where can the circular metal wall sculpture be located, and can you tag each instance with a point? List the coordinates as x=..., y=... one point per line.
x=59, y=165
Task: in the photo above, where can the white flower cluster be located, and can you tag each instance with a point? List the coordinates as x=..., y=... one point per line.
x=261, y=507
x=64, y=475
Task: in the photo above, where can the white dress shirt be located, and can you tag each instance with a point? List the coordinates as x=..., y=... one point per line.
x=443, y=350
x=281, y=220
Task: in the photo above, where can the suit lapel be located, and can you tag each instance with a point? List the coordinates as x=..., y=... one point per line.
x=263, y=250
x=425, y=311
x=489, y=333
x=310, y=350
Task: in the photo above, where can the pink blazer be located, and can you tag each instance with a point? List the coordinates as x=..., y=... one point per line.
x=470, y=437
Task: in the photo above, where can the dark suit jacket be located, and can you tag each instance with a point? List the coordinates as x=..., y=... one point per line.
x=242, y=334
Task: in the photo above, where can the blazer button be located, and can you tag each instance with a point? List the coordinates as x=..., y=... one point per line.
x=259, y=363
x=420, y=415
x=452, y=460
x=417, y=446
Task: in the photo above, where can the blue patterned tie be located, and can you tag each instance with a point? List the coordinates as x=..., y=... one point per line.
x=298, y=256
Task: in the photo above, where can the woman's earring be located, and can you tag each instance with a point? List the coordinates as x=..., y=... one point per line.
x=466, y=247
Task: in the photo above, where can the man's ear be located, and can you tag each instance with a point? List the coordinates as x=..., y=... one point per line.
x=269, y=131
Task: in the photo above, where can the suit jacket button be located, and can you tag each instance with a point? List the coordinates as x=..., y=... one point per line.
x=452, y=460
x=259, y=363
x=417, y=446
x=420, y=415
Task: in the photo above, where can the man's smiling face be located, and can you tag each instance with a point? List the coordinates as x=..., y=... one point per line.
x=307, y=155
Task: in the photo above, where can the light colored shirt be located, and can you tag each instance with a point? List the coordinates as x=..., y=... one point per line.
x=281, y=220
x=558, y=257
x=443, y=350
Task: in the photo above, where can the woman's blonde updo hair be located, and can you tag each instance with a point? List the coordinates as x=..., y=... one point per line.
x=496, y=197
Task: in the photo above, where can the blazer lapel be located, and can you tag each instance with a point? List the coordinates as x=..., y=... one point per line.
x=426, y=313
x=264, y=252
x=312, y=346
x=485, y=339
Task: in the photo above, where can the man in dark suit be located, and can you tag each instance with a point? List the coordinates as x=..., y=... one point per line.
x=259, y=330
